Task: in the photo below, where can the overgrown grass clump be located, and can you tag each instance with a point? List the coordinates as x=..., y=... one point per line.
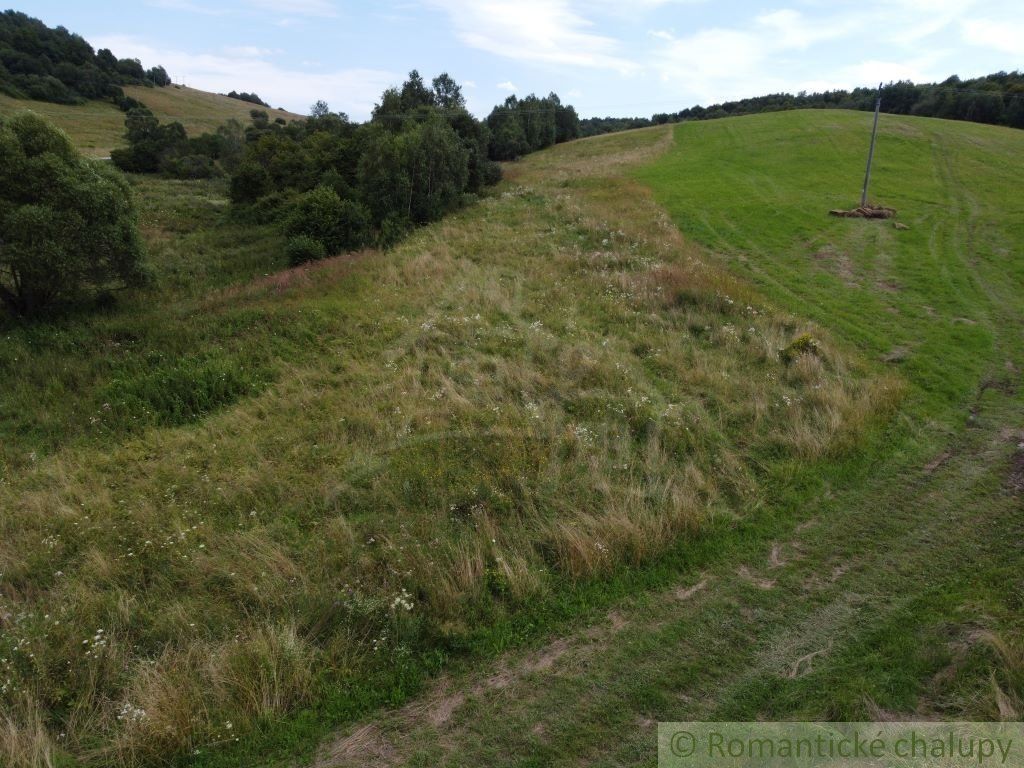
x=322, y=473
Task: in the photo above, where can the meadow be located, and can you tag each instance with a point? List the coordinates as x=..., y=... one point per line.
x=98, y=126
x=883, y=583
x=644, y=408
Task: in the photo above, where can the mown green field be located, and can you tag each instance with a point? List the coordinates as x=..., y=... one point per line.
x=548, y=472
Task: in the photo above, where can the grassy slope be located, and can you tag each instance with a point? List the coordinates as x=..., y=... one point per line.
x=884, y=585
x=242, y=478
x=97, y=127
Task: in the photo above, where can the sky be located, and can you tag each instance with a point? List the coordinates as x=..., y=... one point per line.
x=606, y=57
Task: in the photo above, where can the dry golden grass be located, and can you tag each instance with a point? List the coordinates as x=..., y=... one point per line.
x=24, y=737
x=97, y=127
x=548, y=385
x=199, y=111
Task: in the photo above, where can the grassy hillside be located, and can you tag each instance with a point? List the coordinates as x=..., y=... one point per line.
x=241, y=493
x=940, y=301
x=884, y=585
x=247, y=505
x=98, y=127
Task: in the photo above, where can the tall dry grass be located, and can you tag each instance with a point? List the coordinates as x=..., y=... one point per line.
x=547, y=386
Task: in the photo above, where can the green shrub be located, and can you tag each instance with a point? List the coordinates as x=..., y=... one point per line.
x=175, y=393
x=804, y=344
x=392, y=230
x=250, y=182
x=270, y=208
x=340, y=225
x=303, y=248
x=68, y=224
x=189, y=167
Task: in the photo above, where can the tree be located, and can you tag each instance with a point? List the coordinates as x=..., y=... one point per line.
x=448, y=93
x=55, y=65
x=159, y=77
x=131, y=70
x=508, y=139
x=415, y=94
x=388, y=112
x=438, y=167
x=150, y=145
x=106, y=60
x=567, y=122
x=320, y=109
x=382, y=178
x=68, y=224
x=250, y=98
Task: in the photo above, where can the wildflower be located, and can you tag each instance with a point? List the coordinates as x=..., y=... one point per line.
x=130, y=713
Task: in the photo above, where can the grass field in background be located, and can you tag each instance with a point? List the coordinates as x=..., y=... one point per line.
x=941, y=301
x=97, y=127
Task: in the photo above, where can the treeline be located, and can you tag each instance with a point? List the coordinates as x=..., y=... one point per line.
x=596, y=126
x=996, y=99
x=521, y=126
x=45, y=64
x=335, y=185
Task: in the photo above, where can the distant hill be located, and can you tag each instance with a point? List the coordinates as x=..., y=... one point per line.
x=37, y=62
x=57, y=74
x=97, y=127
x=996, y=99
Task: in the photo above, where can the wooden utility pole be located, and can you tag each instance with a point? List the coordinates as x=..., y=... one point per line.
x=871, y=152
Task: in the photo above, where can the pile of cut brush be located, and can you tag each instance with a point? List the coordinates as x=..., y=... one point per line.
x=865, y=212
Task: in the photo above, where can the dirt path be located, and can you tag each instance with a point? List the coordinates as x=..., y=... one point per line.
x=724, y=642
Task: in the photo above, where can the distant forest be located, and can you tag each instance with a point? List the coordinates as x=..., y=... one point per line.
x=994, y=99
x=45, y=64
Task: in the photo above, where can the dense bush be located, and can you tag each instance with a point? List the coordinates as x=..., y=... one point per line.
x=303, y=248
x=338, y=225
x=421, y=156
x=251, y=98
x=416, y=160
x=45, y=64
x=167, y=148
x=149, y=143
x=68, y=223
x=345, y=185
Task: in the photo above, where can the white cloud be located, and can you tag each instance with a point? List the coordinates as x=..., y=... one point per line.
x=1004, y=36
x=790, y=30
x=767, y=53
x=540, y=31
x=719, y=64
x=871, y=72
x=354, y=91
x=508, y=85
x=716, y=64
